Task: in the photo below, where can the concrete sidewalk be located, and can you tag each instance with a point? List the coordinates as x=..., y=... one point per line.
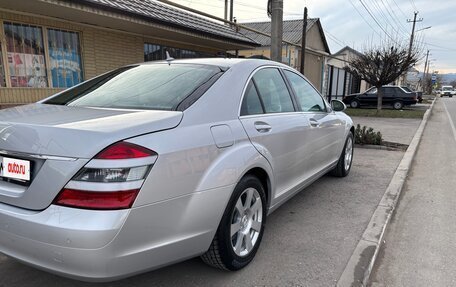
x=419, y=245
x=358, y=269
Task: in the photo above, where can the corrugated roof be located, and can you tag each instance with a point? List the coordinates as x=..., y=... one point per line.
x=292, y=30
x=165, y=14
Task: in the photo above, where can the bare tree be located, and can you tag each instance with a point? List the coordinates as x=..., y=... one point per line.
x=382, y=65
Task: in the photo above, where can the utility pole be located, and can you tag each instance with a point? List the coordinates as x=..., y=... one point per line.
x=231, y=10
x=425, y=65
x=303, y=41
x=226, y=10
x=276, y=30
x=413, y=31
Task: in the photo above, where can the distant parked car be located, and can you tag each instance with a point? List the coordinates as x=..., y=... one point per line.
x=392, y=95
x=419, y=95
x=447, y=91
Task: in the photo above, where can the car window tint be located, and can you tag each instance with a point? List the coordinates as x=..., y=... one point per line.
x=309, y=99
x=157, y=87
x=251, y=104
x=273, y=91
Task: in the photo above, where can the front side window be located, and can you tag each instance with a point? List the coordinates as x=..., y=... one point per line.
x=65, y=58
x=25, y=52
x=309, y=99
x=273, y=91
x=154, y=87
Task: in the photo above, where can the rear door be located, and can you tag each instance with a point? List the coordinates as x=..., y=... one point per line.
x=388, y=95
x=278, y=132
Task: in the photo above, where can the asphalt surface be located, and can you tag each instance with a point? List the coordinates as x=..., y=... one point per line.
x=307, y=241
x=419, y=245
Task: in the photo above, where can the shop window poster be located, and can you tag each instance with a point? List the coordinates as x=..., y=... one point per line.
x=65, y=58
x=27, y=70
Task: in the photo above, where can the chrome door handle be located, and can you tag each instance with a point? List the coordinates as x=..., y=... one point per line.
x=314, y=123
x=262, y=127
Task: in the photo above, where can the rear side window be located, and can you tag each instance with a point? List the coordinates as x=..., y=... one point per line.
x=251, y=104
x=155, y=87
x=273, y=91
x=309, y=99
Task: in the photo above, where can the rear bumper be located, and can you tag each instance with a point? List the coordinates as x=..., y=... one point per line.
x=102, y=246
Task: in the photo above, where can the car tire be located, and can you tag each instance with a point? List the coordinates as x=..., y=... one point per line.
x=354, y=104
x=241, y=229
x=398, y=105
x=344, y=164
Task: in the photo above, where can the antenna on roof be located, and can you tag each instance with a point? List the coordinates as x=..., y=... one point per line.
x=169, y=59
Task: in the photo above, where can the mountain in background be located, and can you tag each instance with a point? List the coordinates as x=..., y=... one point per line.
x=448, y=78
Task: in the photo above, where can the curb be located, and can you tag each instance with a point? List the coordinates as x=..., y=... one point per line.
x=359, y=266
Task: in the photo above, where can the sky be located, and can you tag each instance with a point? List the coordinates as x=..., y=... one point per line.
x=361, y=23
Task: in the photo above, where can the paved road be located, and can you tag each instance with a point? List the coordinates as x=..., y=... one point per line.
x=419, y=248
x=307, y=241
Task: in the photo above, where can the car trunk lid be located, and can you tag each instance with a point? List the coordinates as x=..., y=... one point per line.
x=58, y=141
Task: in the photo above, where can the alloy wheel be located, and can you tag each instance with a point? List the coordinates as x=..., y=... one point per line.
x=348, y=153
x=246, y=222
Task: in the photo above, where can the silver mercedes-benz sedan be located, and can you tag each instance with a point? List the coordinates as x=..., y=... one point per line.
x=154, y=163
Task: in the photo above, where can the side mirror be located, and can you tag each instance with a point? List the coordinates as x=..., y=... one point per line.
x=338, y=106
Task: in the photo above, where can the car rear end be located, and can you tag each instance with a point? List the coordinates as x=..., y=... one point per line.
x=66, y=214
x=447, y=91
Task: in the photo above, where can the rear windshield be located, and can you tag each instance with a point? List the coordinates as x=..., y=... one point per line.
x=155, y=87
x=407, y=89
x=446, y=88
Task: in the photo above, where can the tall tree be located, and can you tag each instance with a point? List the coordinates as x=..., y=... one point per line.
x=382, y=64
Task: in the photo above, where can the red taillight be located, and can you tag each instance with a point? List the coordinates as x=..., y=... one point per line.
x=97, y=200
x=111, y=180
x=124, y=150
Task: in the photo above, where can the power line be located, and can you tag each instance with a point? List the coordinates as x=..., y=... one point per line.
x=379, y=10
x=413, y=5
x=393, y=16
x=362, y=16
x=405, y=16
x=441, y=47
x=381, y=27
x=335, y=39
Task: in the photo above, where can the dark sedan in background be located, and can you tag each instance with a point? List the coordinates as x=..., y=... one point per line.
x=392, y=95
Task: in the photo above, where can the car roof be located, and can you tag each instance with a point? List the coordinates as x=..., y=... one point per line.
x=224, y=63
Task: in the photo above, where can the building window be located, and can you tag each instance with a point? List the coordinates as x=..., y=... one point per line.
x=2, y=70
x=25, y=53
x=65, y=58
x=154, y=52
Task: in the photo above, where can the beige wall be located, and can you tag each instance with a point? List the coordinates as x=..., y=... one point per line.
x=313, y=69
x=292, y=56
x=313, y=39
x=313, y=63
